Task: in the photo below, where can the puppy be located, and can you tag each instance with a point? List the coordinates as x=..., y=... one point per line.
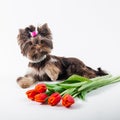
x=43, y=66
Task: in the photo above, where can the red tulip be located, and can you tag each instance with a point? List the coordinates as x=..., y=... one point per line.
x=31, y=94
x=67, y=100
x=40, y=88
x=41, y=97
x=54, y=99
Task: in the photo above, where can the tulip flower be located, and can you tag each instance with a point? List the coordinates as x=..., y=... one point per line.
x=40, y=88
x=67, y=100
x=54, y=99
x=31, y=94
x=41, y=97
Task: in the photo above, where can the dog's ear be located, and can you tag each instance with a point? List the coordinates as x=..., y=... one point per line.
x=23, y=36
x=31, y=28
x=44, y=31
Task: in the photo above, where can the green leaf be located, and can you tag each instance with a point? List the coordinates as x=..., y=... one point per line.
x=75, y=79
x=49, y=92
x=72, y=85
x=68, y=91
x=83, y=94
x=58, y=89
x=55, y=88
x=51, y=85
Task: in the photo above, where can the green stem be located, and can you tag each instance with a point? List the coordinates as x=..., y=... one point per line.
x=68, y=91
x=98, y=83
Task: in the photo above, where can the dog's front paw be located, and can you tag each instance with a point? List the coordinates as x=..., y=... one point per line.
x=25, y=82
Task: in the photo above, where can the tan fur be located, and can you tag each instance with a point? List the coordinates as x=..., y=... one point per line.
x=34, y=71
x=46, y=49
x=52, y=71
x=26, y=82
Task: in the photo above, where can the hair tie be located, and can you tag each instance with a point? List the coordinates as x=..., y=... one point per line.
x=33, y=34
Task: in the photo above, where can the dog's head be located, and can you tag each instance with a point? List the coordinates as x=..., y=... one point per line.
x=35, y=45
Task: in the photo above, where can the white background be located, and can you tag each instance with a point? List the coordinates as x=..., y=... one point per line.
x=86, y=29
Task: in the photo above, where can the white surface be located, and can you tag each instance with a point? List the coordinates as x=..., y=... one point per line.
x=87, y=29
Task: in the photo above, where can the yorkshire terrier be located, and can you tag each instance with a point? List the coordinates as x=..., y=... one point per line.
x=37, y=46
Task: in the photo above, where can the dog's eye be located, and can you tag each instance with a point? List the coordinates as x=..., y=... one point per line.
x=42, y=41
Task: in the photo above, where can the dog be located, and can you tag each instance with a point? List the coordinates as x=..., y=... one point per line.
x=37, y=46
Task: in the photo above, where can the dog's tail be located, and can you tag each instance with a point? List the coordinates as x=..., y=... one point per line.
x=101, y=72
x=98, y=72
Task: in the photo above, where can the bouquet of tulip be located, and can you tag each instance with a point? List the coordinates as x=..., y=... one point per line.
x=66, y=91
